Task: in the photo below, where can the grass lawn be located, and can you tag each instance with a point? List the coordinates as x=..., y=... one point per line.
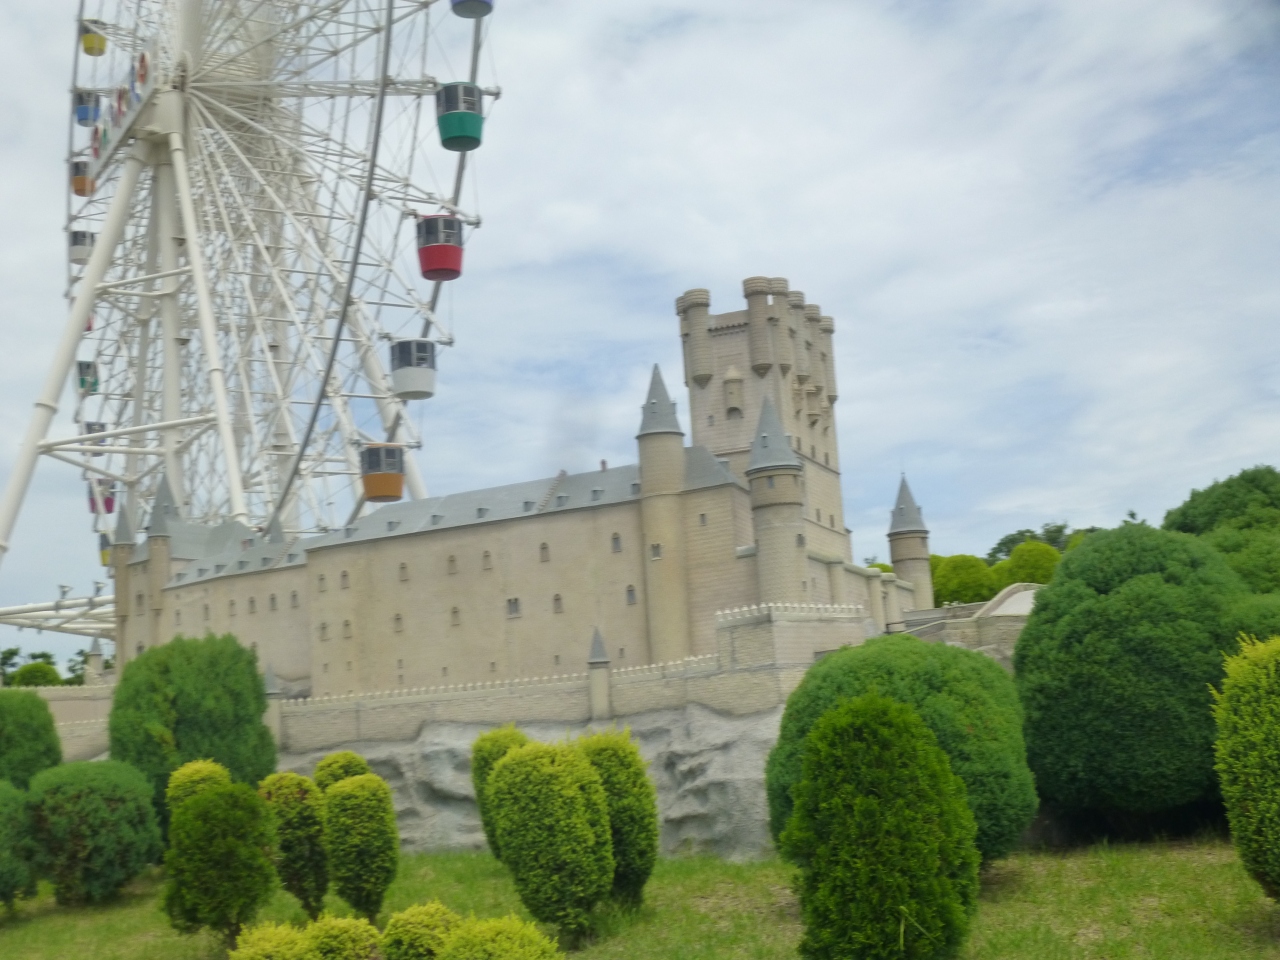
x=1167, y=901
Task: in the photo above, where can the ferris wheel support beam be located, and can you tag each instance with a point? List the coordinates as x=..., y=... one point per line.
x=165, y=226
x=47, y=405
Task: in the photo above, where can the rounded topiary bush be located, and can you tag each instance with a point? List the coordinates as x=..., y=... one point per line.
x=363, y=845
x=1029, y=562
x=191, y=700
x=420, y=932
x=1248, y=757
x=339, y=766
x=37, y=674
x=965, y=698
x=1114, y=669
x=506, y=938
x=219, y=860
x=552, y=821
x=883, y=836
x=963, y=579
x=28, y=739
x=342, y=938
x=16, y=876
x=194, y=778
x=93, y=828
x=298, y=809
x=489, y=748
x=633, y=810
x=271, y=941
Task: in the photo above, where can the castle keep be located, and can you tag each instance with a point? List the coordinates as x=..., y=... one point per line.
x=515, y=581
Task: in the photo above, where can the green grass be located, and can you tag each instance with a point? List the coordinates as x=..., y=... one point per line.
x=1165, y=901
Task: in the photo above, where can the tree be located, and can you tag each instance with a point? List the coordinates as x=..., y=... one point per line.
x=219, y=861
x=1055, y=535
x=883, y=837
x=8, y=663
x=1250, y=493
x=191, y=700
x=194, y=778
x=339, y=766
x=93, y=828
x=363, y=845
x=1030, y=562
x=552, y=819
x=420, y=932
x=17, y=879
x=963, y=579
x=1114, y=669
x=965, y=698
x=303, y=865
x=489, y=748
x=633, y=810
x=36, y=674
x=29, y=740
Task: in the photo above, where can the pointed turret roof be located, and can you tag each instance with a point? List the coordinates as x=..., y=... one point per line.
x=275, y=530
x=771, y=447
x=906, y=516
x=659, y=412
x=124, y=536
x=163, y=509
x=597, y=650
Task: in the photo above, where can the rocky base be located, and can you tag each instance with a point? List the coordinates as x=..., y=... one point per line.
x=708, y=769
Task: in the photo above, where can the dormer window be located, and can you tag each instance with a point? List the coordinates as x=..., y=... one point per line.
x=597, y=493
x=562, y=499
x=481, y=512
x=528, y=506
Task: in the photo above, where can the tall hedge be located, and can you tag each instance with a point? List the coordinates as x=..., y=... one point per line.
x=506, y=938
x=633, y=810
x=552, y=820
x=93, y=828
x=1114, y=669
x=28, y=739
x=16, y=876
x=419, y=932
x=963, y=579
x=965, y=698
x=191, y=779
x=191, y=700
x=339, y=766
x=1247, y=754
x=363, y=844
x=219, y=861
x=883, y=836
x=298, y=809
x=489, y=748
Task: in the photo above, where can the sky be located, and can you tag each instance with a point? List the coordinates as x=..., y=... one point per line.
x=1048, y=232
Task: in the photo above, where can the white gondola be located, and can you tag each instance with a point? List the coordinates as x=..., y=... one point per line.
x=413, y=369
x=89, y=429
x=81, y=246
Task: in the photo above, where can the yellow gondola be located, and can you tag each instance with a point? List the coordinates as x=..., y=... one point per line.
x=92, y=40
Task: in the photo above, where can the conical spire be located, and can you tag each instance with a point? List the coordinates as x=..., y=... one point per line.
x=275, y=530
x=598, y=656
x=164, y=508
x=772, y=446
x=124, y=536
x=906, y=516
x=659, y=412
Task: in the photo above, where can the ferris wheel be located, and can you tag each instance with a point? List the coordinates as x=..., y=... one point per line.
x=265, y=199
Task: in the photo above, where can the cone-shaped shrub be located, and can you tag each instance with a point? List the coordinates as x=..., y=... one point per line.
x=339, y=766
x=363, y=845
x=93, y=828
x=1248, y=757
x=193, y=778
x=270, y=941
x=633, y=810
x=342, y=938
x=507, y=938
x=419, y=933
x=219, y=861
x=883, y=836
x=28, y=739
x=16, y=877
x=965, y=698
x=552, y=821
x=488, y=749
x=301, y=862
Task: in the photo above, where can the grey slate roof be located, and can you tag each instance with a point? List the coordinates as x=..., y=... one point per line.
x=659, y=412
x=164, y=508
x=906, y=516
x=771, y=447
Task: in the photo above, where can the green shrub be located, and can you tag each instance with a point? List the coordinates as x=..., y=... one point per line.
x=219, y=860
x=883, y=836
x=507, y=938
x=964, y=697
x=419, y=933
x=93, y=828
x=552, y=822
x=38, y=674
x=342, y=938
x=194, y=778
x=488, y=749
x=963, y=579
x=363, y=845
x=298, y=809
x=28, y=739
x=191, y=700
x=1248, y=757
x=270, y=941
x=1030, y=562
x=339, y=766
x=1253, y=491
x=16, y=877
x=1114, y=668
x=633, y=810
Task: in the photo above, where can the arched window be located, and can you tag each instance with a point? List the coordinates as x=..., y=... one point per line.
x=617, y=543
x=455, y=616
x=486, y=562
x=344, y=581
x=398, y=623
x=631, y=594
x=404, y=571
x=544, y=553
x=453, y=564
x=557, y=605
x=271, y=602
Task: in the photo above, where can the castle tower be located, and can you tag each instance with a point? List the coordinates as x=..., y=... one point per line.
x=909, y=546
x=121, y=556
x=661, y=517
x=776, y=476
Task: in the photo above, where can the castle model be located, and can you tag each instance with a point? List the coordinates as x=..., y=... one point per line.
x=651, y=563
